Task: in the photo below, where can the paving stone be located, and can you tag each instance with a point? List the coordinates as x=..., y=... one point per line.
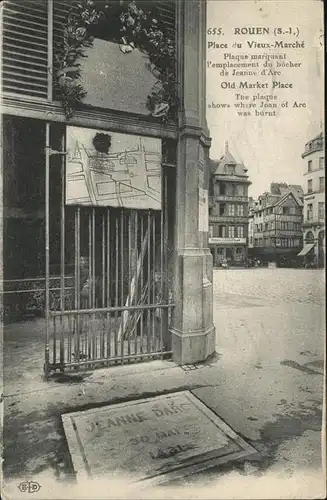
x=159, y=438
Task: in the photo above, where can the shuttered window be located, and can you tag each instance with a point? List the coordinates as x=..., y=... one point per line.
x=25, y=51
x=166, y=12
x=25, y=44
x=25, y=41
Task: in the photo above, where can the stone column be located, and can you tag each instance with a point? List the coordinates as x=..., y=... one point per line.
x=192, y=330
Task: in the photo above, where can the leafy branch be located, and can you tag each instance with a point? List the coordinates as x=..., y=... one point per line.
x=132, y=27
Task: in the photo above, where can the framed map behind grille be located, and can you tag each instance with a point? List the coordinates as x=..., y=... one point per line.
x=109, y=169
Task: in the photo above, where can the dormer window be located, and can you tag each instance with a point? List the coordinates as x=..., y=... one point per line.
x=230, y=169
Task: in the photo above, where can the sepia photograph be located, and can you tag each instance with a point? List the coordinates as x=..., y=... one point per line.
x=162, y=257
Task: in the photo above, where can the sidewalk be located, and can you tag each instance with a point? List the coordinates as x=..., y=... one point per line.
x=268, y=391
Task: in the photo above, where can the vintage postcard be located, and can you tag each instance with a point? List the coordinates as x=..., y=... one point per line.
x=163, y=249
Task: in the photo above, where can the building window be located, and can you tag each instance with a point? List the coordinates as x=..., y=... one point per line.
x=240, y=231
x=230, y=169
x=310, y=211
x=309, y=165
x=240, y=190
x=321, y=210
x=321, y=162
x=321, y=183
x=222, y=189
x=285, y=210
x=231, y=210
x=231, y=232
x=222, y=208
x=231, y=190
x=222, y=231
x=239, y=255
x=239, y=210
x=292, y=210
x=310, y=186
x=309, y=238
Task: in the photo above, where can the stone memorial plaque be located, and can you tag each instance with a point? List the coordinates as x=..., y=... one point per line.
x=162, y=437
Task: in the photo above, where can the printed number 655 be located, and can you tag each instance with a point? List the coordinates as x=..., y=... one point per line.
x=214, y=31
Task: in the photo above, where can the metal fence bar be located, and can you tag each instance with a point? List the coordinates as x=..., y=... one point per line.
x=70, y=327
x=108, y=286
x=93, y=284
x=62, y=251
x=74, y=317
x=78, y=282
x=122, y=280
x=61, y=344
x=129, y=270
x=116, y=285
x=149, y=283
x=47, y=248
x=35, y=290
x=165, y=299
x=117, y=359
x=137, y=255
x=114, y=309
x=103, y=290
x=162, y=221
x=88, y=334
x=142, y=287
x=54, y=353
x=153, y=278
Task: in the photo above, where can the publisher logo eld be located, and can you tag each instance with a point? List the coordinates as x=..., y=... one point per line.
x=29, y=487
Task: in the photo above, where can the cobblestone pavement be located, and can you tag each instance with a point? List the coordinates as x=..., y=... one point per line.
x=266, y=382
x=262, y=286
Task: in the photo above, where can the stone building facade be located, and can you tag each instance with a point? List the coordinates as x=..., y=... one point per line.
x=277, y=224
x=228, y=211
x=314, y=202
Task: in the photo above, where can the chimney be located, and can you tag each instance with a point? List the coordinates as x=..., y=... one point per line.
x=226, y=147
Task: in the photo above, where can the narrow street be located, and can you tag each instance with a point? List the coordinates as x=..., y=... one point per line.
x=265, y=381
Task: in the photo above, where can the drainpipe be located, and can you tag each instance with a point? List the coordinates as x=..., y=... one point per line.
x=317, y=252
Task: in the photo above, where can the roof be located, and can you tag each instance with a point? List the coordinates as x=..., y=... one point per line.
x=294, y=188
x=319, y=136
x=285, y=190
x=217, y=167
x=290, y=193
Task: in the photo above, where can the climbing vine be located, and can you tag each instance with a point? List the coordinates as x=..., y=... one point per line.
x=132, y=27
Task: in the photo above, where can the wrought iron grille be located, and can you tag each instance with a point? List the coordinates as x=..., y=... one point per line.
x=118, y=310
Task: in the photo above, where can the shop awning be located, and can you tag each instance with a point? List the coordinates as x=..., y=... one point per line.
x=306, y=249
